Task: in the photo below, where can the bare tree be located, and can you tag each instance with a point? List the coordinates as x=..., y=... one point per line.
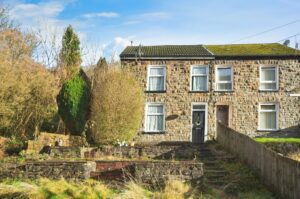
x=5, y=20
x=48, y=46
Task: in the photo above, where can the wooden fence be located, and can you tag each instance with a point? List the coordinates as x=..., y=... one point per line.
x=279, y=173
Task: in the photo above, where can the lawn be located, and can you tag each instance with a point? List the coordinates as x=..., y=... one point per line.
x=289, y=147
x=277, y=140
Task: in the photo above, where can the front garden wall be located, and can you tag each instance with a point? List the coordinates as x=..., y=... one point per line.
x=49, y=169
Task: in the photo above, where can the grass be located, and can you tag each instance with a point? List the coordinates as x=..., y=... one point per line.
x=244, y=183
x=89, y=189
x=289, y=147
x=277, y=140
x=53, y=189
x=247, y=187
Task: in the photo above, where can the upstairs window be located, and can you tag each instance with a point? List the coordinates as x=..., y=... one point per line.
x=155, y=117
x=224, y=78
x=156, y=78
x=199, y=78
x=268, y=78
x=268, y=117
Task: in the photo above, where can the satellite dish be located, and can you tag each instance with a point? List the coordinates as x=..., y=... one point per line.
x=286, y=42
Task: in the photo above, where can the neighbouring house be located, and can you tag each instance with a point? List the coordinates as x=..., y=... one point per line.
x=252, y=88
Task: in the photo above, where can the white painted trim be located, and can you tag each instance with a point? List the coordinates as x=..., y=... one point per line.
x=277, y=116
x=216, y=77
x=164, y=116
x=295, y=95
x=165, y=75
x=206, y=119
x=207, y=76
x=276, y=77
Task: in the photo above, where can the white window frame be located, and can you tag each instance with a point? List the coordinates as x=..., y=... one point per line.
x=277, y=116
x=216, y=78
x=199, y=75
x=164, y=116
x=276, y=78
x=148, y=76
x=206, y=118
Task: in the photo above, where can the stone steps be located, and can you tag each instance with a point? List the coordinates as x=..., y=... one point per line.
x=215, y=175
x=217, y=183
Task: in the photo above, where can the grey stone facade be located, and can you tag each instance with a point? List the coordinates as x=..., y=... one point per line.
x=243, y=101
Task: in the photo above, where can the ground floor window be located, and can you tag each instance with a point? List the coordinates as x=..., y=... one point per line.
x=155, y=117
x=268, y=117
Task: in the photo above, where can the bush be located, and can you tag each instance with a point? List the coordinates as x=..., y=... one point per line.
x=73, y=103
x=14, y=146
x=116, y=107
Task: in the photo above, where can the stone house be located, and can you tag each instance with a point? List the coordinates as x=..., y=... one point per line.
x=252, y=88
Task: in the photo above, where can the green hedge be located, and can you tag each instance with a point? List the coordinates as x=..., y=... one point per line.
x=73, y=103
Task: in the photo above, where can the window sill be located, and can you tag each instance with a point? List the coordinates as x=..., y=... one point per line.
x=266, y=91
x=228, y=91
x=163, y=91
x=198, y=91
x=153, y=132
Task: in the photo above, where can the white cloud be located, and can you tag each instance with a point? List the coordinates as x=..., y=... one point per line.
x=101, y=14
x=132, y=22
x=152, y=16
x=122, y=41
x=40, y=10
x=115, y=47
x=147, y=17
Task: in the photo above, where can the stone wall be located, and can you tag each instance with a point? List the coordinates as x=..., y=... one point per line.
x=162, y=152
x=49, y=139
x=150, y=172
x=280, y=173
x=243, y=101
x=75, y=170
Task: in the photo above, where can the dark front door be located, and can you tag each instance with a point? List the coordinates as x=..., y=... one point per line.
x=223, y=114
x=198, y=129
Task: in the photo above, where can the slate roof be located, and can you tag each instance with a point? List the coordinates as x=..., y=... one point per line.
x=208, y=51
x=166, y=51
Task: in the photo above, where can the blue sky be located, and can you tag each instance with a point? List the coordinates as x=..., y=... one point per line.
x=108, y=26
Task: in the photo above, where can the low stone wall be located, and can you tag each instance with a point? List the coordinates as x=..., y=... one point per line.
x=50, y=139
x=150, y=172
x=154, y=172
x=280, y=173
x=78, y=170
x=167, y=152
x=65, y=152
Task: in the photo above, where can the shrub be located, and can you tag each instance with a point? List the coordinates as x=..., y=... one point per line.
x=116, y=107
x=73, y=103
x=14, y=146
